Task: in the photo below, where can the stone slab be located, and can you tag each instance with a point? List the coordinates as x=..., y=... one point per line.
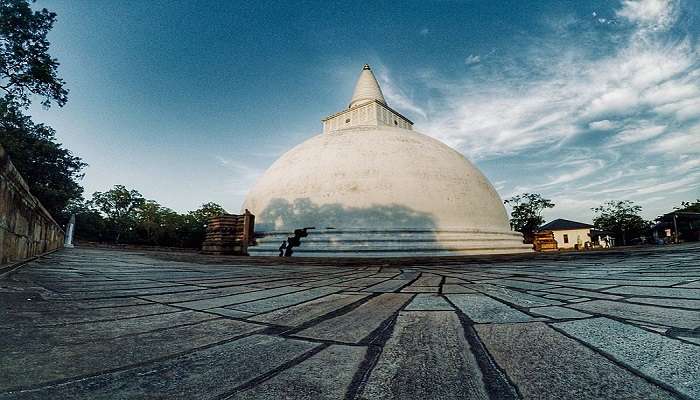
x=630, y=281
x=557, y=312
x=657, y=292
x=299, y=314
x=662, y=359
x=586, y=286
x=53, y=315
x=427, y=357
x=513, y=283
x=362, y=282
x=682, y=303
x=420, y=289
x=206, y=373
x=578, y=300
x=557, y=296
x=273, y=303
x=36, y=338
x=429, y=302
x=450, y=288
x=691, y=285
x=237, y=298
x=21, y=367
x=658, y=315
x=227, y=312
x=357, y=324
x=483, y=309
x=408, y=275
x=324, y=376
x=199, y=295
x=519, y=298
x=389, y=286
x=692, y=339
x=326, y=282
x=428, y=280
x=542, y=362
x=132, y=292
x=584, y=293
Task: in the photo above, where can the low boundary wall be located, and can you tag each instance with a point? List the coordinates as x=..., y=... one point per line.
x=26, y=228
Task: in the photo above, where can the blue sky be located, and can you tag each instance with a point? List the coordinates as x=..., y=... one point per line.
x=189, y=102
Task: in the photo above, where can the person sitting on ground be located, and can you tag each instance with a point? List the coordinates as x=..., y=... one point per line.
x=283, y=247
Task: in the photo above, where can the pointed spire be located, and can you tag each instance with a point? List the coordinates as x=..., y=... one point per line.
x=366, y=89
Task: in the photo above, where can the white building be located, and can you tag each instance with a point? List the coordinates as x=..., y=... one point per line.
x=568, y=234
x=372, y=186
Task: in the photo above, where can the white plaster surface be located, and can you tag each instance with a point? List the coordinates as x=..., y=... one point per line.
x=385, y=179
x=575, y=236
x=366, y=89
x=392, y=181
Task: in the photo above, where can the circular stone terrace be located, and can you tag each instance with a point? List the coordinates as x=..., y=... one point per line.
x=104, y=324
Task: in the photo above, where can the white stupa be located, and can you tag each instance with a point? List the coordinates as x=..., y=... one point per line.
x=372, y=186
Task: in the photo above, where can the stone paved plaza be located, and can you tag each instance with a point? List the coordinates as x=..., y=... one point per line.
x=108, y=324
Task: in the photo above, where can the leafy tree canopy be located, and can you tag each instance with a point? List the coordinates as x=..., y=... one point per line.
x=26, y=68
x=622, y=218
x=123, y=215
x=120, y=206
x=89, y=222
x=206, y=211
x=51, y=171
x=526, y=215
x=688, y=206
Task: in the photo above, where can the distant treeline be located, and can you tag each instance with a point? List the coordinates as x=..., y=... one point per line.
x=124, y=216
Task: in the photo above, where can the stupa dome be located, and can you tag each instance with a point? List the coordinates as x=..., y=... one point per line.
x=370, y=185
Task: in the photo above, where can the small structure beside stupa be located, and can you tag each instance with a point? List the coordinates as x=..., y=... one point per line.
x=372, y=186
x=229, y=234
x=569, y=234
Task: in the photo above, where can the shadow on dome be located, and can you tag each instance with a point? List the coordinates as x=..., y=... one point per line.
x=282, y=215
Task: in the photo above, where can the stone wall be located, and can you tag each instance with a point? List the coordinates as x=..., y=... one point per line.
x=26, y=228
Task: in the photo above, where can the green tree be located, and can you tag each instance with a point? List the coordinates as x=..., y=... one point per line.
x=526, y=214
x=206, y=211
x=120, y=206
x=90, y=225
x=27, y=70
x=195, y=224
x=158, y=225
x=51, y=171
x=622, y=218
x=26, y=67
x=688, y=206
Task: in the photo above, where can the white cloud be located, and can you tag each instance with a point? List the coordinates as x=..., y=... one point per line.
x=472, y=59
x=682, y=110
x=686, y=183
x=395, y=96
x=637, y=134
x=654, y=14
x=620, y=101
x=577, y=173
x=603, y=125
x=487, y=115
x=582, y=128
x=500, y=116
x=673, y=91
x=677, y=143
x=687, y=165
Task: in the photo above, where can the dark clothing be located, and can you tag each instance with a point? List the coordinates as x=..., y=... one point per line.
x=282, y=248
x=294, y=241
